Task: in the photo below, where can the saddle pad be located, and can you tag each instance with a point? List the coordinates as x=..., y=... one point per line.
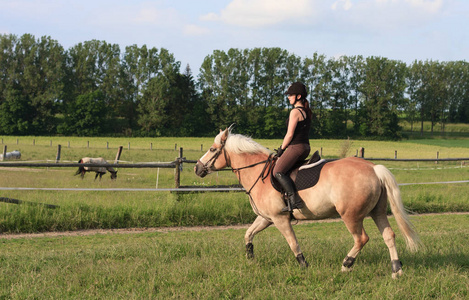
x=308, y=175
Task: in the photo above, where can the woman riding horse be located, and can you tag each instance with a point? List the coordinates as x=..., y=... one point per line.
x=295, y=146
x=351, y=188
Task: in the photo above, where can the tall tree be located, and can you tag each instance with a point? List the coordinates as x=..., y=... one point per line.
x=32, y=84
x=383, y=91
x=85, y=115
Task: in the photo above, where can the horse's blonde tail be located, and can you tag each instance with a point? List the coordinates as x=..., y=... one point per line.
x=394, y=196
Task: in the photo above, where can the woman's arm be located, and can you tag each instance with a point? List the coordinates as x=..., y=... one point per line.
x=295, y=116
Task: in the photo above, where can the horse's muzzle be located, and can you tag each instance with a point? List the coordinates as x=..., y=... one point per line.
x=200, y=169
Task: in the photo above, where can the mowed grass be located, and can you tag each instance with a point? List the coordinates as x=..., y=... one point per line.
x=116, y=209
x=122, y=209
x=210, y=264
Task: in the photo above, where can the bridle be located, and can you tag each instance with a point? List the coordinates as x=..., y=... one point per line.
x=209, y=165
x=269, y=164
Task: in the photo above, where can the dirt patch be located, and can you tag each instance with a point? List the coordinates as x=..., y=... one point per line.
x=165, y=229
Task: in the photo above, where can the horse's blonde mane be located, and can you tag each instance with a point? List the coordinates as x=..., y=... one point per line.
x=237, y=143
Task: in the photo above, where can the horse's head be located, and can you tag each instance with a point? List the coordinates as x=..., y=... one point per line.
x=113, y=175
x=213, y=159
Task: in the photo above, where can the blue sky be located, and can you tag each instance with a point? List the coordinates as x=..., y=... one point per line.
x=405, y=30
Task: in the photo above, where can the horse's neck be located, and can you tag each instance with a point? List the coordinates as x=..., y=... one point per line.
x=249, y=171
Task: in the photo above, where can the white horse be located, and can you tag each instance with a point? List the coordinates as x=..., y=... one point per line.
x=99, y=170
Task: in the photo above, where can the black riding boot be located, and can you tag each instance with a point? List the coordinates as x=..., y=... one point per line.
x=294, y=201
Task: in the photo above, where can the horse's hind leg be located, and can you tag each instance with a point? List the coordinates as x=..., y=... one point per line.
x=355, y=227
x=259, y=224
x=384, y=227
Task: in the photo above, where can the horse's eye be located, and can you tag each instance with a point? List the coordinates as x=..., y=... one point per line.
x=213, y=149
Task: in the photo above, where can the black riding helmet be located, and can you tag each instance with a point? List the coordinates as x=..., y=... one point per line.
x=297, y=88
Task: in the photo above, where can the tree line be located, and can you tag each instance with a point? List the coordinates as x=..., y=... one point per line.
x=95, y=89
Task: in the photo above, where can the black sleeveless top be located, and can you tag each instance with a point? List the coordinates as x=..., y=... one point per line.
x=301, y=134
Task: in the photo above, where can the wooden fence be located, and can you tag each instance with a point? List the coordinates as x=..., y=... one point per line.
x=177, y=166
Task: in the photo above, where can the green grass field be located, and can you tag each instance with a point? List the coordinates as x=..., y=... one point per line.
x=210, y=264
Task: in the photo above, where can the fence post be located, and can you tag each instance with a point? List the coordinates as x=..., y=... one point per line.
x=361, y=152
x=4, y=152
x=57, y=158
x=178, y=169
x=118, y=155
x=395, y=154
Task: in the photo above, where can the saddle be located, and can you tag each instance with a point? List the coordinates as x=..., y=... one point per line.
x=304, y=174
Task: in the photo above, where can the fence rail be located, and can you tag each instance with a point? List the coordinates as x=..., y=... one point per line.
x=177, y=166
x=73, y=165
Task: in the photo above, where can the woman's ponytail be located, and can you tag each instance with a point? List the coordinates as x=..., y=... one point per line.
x=307, y=108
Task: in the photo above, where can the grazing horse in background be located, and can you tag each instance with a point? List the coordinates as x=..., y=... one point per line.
x=351, y=188
x=100, y=171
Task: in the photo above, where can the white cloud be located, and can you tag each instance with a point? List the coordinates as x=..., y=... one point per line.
x=262, y=13
x=148, y=15
x=194, y=30
x=380, y=16
x=432, y=6
x=343, y=4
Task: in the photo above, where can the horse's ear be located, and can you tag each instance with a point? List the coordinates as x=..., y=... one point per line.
x=224, y=136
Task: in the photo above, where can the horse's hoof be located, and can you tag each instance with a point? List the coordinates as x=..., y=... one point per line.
x=346, y=269
x=302, y=261
x=249, y=251
x=397, y=274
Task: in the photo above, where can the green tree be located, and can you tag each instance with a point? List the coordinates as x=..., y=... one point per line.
x=139, y=65
x=383, y=91
x=32, y=84
x=166, y=106
x=95, y=65
x=86, y=116
x=318, y=77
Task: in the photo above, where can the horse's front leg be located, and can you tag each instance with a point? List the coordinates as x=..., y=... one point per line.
x=284, y=226
x=259, y=224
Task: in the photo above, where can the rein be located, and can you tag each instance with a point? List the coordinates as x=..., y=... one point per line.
x=269, y=164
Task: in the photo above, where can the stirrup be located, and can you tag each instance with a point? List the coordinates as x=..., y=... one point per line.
x=298, y=204
x=288, y=207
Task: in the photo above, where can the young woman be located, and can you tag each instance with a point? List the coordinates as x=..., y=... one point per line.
x=295, y=146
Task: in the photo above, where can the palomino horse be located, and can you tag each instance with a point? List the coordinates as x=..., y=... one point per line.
x=100, y=171
x=351, y=188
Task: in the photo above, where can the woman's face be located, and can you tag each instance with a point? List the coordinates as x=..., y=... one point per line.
x=293, y=98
